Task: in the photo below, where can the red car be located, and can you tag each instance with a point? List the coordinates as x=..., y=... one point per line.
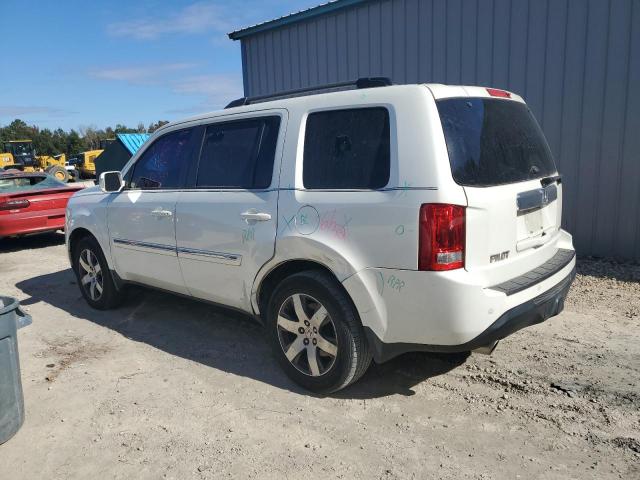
x=32, y=202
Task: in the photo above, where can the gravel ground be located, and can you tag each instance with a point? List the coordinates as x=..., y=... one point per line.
x=169, y=388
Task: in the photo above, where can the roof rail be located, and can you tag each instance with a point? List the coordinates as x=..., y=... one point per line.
x=238, y=102
x=365, y=82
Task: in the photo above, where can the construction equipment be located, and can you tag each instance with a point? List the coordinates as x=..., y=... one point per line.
x=54, y=165
x=86, y=163
x=20, y=155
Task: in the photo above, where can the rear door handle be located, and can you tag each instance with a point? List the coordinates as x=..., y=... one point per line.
x=255, y=216
x=159, y=212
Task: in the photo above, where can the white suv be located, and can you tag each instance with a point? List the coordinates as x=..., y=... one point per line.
x=355, y=224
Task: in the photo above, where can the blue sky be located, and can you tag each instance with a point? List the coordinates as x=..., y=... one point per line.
x=74, y=64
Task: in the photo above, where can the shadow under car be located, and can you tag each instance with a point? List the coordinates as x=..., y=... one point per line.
x=219, y=338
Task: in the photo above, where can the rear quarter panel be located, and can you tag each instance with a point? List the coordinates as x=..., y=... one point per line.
x=351, y=230
x=45, y=212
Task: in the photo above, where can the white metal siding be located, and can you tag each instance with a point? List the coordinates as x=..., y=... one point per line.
x=576, y=63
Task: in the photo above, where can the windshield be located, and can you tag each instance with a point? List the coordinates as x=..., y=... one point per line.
x=19, y=148
x=493, y=142
x=18, y=184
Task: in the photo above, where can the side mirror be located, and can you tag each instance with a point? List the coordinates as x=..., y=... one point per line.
x=111, y=182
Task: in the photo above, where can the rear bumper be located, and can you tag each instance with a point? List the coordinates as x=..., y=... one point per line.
x=458, y=309
x=532, y=312
x=23, y=224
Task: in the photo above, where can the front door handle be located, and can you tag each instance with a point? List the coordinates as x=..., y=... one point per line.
x=252, y=215
x=159, y=212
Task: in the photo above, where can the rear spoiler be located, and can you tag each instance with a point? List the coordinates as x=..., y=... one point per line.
x=43, y=191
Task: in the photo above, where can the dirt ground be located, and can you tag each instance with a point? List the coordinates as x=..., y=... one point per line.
x=169, y=388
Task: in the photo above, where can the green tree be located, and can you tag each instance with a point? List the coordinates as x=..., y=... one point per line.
x=155, y=126
x=17, y=130
x=48, y=142
x=124, y=129
x=44, y=143
x=74, y=143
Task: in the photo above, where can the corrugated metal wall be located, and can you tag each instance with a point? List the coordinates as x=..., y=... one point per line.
x=576, y=62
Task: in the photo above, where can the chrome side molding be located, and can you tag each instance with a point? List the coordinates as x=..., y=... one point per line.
x=144, y=246
x=207, y=255
x=182, y=252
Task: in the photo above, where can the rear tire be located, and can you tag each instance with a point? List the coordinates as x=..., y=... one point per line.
x=93, y=275
x=315, y=332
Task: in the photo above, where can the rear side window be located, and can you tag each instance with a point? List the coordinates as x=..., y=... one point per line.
x=347, y=149
x=493, y=142
x=239, y=154
x=164, y=162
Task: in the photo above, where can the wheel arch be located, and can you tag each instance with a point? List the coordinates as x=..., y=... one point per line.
x=78, y=234
x=74, y=237
x=269, y=282
x=361, y=289
x=295, y=254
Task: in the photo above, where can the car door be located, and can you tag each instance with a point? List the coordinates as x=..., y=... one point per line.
x=226, y=222
x=142, y=217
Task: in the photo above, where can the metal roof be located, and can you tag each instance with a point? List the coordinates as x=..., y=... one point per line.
x=322, y=9
x=133, y=141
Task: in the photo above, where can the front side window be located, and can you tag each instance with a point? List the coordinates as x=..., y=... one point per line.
x=239, y=154
x=164, y=162
x=347, y=149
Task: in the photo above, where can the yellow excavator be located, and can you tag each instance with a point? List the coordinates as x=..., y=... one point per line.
x=20, y=154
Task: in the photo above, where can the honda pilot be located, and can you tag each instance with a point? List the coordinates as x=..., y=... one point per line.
x=355, y=224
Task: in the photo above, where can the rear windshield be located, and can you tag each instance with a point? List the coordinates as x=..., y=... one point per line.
x=18, y=184
x=493, y=142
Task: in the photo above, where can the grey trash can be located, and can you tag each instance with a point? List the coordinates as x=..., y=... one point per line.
x=12, y=317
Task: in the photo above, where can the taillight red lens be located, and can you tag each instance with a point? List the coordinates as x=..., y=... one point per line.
x=495, y=92
x=442, y=231
x=14, y=204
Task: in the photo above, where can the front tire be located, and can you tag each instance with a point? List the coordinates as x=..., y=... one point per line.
x=315, y=332
x=93, y=275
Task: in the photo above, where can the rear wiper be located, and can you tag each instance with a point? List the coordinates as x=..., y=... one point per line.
x=549, y=180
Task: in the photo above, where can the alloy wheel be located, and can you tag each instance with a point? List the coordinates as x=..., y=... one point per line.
x=307, y=334
x=91, y=274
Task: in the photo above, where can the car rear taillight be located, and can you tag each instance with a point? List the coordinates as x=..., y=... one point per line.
x=442, y=231
x=14, y=204
x=496, y=92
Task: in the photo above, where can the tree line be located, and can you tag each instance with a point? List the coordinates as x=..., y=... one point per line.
x=54, y=142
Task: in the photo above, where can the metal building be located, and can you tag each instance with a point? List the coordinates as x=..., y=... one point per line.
x=576, y=62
